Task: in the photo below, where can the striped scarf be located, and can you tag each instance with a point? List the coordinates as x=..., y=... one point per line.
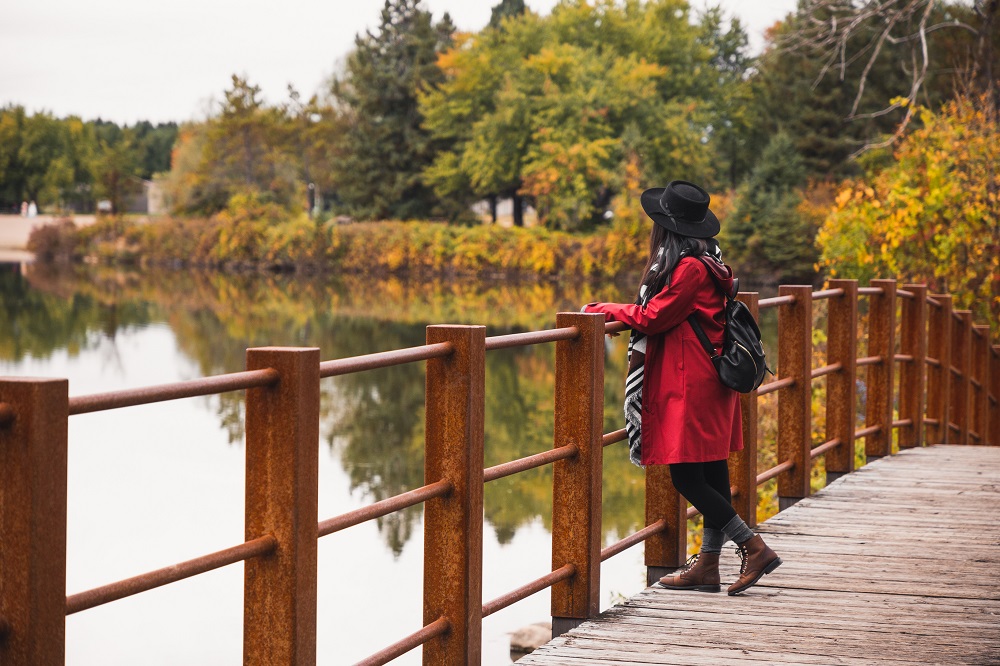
x=636, y=364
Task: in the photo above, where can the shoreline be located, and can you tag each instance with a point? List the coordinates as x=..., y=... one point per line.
x=15, y=230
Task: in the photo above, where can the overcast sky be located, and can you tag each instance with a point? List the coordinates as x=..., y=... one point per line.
x=125, y=61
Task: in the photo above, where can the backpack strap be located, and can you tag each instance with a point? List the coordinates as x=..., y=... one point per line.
x=700, y=332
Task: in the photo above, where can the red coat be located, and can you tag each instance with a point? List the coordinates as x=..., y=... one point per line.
x=688, y=415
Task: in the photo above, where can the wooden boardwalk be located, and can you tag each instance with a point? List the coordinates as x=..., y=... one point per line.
x=897, y=563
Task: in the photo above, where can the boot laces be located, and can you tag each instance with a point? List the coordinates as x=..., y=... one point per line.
x=741, y=550
x=691, y=561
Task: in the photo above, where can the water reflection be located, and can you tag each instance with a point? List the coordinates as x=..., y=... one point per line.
x=372, y=421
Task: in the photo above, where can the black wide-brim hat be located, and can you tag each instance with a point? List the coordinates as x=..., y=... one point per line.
x=681, y=207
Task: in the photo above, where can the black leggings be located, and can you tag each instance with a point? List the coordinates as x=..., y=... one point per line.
x=706, y=486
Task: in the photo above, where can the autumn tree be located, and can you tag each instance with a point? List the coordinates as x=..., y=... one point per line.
x=932, y=216
x=539, y=109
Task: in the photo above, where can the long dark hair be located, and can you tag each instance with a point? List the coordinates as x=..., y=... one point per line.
x=674, y=247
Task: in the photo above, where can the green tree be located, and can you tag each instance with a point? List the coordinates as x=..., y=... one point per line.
x=154, y=143
x=242, y=149
x=385, y=147
x=115, y=166
x=540, y=109
x=505, y=9
x=767, y=234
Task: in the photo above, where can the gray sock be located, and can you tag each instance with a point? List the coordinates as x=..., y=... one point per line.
x=713, y=540
x=737, y=530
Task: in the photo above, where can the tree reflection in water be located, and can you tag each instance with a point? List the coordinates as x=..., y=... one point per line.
x=373, y=421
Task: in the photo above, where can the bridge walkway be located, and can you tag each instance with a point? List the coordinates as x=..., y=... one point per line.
x=897, y=563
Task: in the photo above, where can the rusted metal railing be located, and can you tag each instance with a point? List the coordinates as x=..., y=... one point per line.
x=956, y=402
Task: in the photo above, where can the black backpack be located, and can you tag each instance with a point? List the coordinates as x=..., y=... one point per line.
x=741, y=365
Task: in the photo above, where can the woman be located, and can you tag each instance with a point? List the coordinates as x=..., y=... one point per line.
x=677, y=411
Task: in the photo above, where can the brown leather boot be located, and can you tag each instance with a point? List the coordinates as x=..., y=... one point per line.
x=758, y=560
x=701, y=572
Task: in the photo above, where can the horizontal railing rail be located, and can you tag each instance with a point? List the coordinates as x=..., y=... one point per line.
x=236, y=381
x=947, y=392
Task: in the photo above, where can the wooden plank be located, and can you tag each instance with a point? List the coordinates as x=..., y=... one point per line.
x=911, y=582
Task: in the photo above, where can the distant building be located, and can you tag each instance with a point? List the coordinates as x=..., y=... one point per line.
x=147, y=199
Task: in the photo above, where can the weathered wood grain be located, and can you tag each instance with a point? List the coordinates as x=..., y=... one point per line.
x=897, y=563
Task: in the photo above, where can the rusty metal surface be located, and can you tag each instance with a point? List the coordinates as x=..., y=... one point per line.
x=912, y=382
x=938, y=382
x=236, y=381
x=548, y=580
x=576, y=483
x=615, y=327
x=817, y=451
x=865, y=432
x=614, y=437
x=932, y=361
x=827, y=369
x=666, y=548
x=33, y=457
x=795, y=403
x=384, y=507
x=776, y=385
x=632, y=539
x=453, y=525
x=778, y=469
x=961, y=356
x=6, y=413
x=775, y=301
x=980, y=377
x=827, y=293
x=743, y=464
x=131, y=586
x=529, y=462
x=993, y=430
x=881, y=376
x=994, y=398
x=344, y=366
x=841, y=349
x=282, y=483
x=436, y=628
x=530, y=338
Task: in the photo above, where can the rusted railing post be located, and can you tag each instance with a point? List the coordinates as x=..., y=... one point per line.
x=666, y=550
x=939, y=373
x=33, y=520
x=842, y=348
x=881, y=343
x=961, y=347
x=913, y=342
x=795, y=402
x=282, y=458
x=453, y=525
x=994, y=401
x=980, y=376
x=743, y=464
x=576, y=490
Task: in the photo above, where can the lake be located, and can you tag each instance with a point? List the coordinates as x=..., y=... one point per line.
x=154, y=485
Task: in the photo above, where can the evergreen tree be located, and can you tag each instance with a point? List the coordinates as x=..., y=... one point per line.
x=505, y=9
x=766, y=234
x=385, y=148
